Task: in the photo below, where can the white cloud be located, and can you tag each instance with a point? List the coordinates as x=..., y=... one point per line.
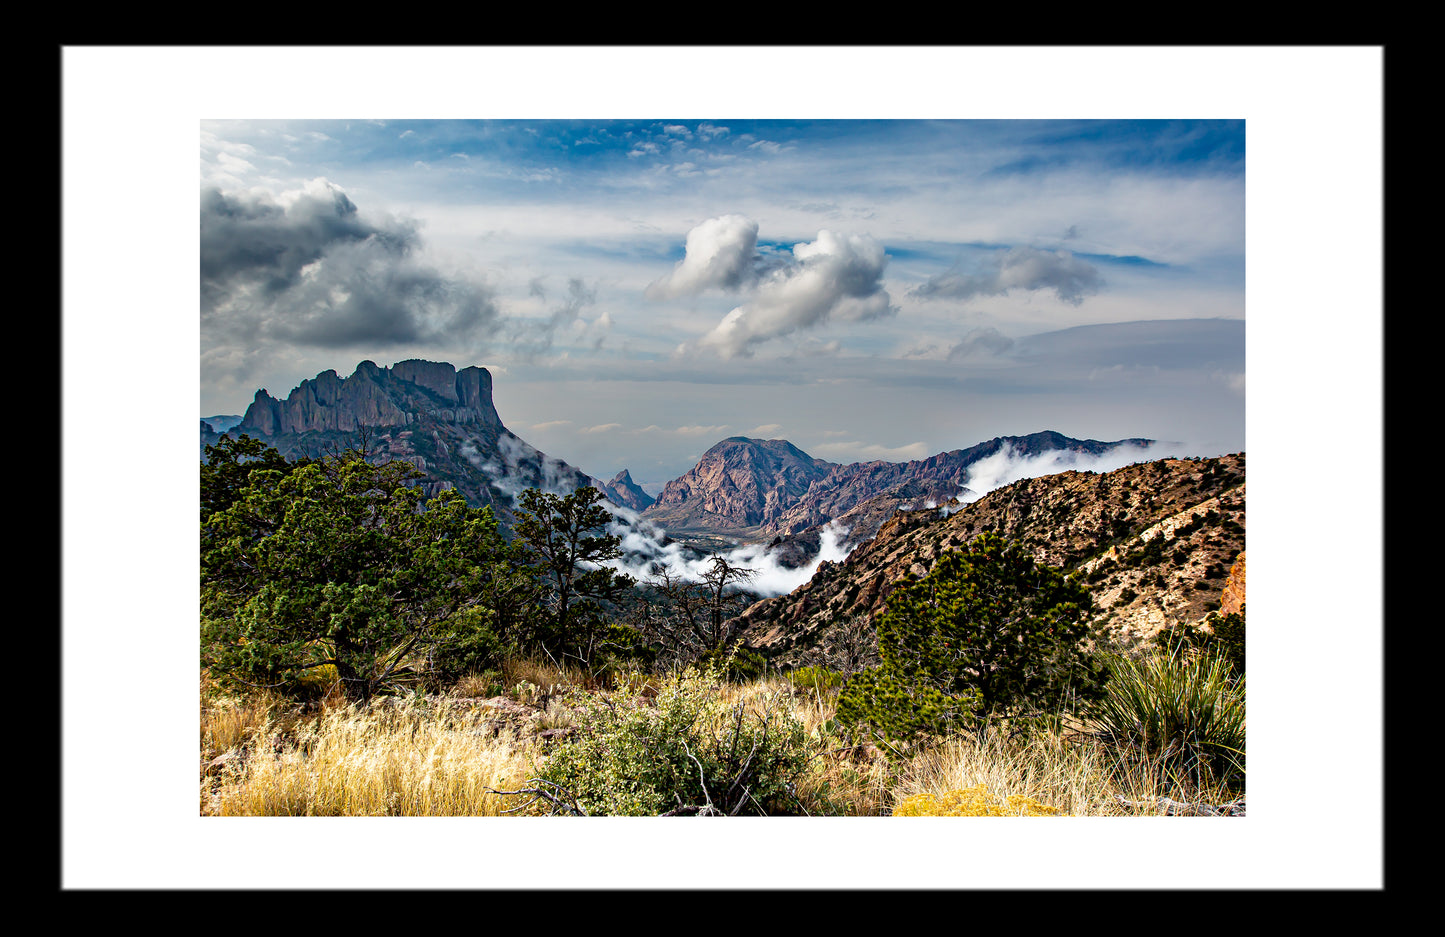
x=836, y=276
x=1019, y=268
x=721, y=253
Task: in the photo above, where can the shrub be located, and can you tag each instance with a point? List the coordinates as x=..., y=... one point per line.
x=1184, y=711
x=736, y=664
x=987, y=634
x=693, y=754
x=819, y=679
x=1229, y=637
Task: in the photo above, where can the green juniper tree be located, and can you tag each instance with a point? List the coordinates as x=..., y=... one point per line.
x=988, y=634
x=228, y=467
x=340, y=562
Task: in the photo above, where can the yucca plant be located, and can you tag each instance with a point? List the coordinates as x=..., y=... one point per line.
x=1183, y=711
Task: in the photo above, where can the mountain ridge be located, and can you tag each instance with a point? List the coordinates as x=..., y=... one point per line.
x=1155, y=542
x=754, y=490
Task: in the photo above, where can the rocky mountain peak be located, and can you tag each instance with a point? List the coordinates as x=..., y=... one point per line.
x=622, y=490
x=1154, y=542
x=738, y=485
x=758, y=489
x=374, y=396
x=428, y=413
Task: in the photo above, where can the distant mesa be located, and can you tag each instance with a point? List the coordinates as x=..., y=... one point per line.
x=427, y=413
x=375, y=397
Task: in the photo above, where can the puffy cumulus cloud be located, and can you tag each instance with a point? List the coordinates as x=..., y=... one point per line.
x=1019, y=268
x=834, y=277
x=721, y=253
x=306, y=268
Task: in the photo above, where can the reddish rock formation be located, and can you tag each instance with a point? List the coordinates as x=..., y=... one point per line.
x=1232, y=599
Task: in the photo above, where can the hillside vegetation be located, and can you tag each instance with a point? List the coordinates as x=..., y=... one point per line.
x=369, y=651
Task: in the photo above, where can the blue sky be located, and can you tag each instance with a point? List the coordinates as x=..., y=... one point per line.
x=644, y=288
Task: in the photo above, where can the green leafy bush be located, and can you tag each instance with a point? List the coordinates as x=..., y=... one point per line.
x=1184, y=711
x=693, y=753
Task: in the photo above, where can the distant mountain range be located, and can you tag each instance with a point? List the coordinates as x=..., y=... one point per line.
x=757, y=489
x=443, y=421
x=769, y=492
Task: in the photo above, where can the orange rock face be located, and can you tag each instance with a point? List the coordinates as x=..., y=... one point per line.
x=1232, y=599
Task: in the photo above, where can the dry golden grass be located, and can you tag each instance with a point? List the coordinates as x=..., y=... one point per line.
x=973, y=801
x=260, y=756
x=386, y=760
x=545, y=674
x=1075, y=775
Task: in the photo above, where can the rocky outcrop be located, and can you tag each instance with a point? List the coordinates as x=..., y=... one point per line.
x=373, y=397
x=1231, y=601
x=1152, y=541
x=623, y=491
x=440, y=420
x=739, y=485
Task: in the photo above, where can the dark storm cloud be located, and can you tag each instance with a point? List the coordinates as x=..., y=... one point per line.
x=1023, y=268
x=313, y=271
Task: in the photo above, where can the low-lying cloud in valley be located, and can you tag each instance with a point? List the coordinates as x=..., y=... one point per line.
x=647, y=549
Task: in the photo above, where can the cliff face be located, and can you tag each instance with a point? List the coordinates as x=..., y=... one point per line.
x=426, y=413
x=1152, y=541
x=375, y=397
